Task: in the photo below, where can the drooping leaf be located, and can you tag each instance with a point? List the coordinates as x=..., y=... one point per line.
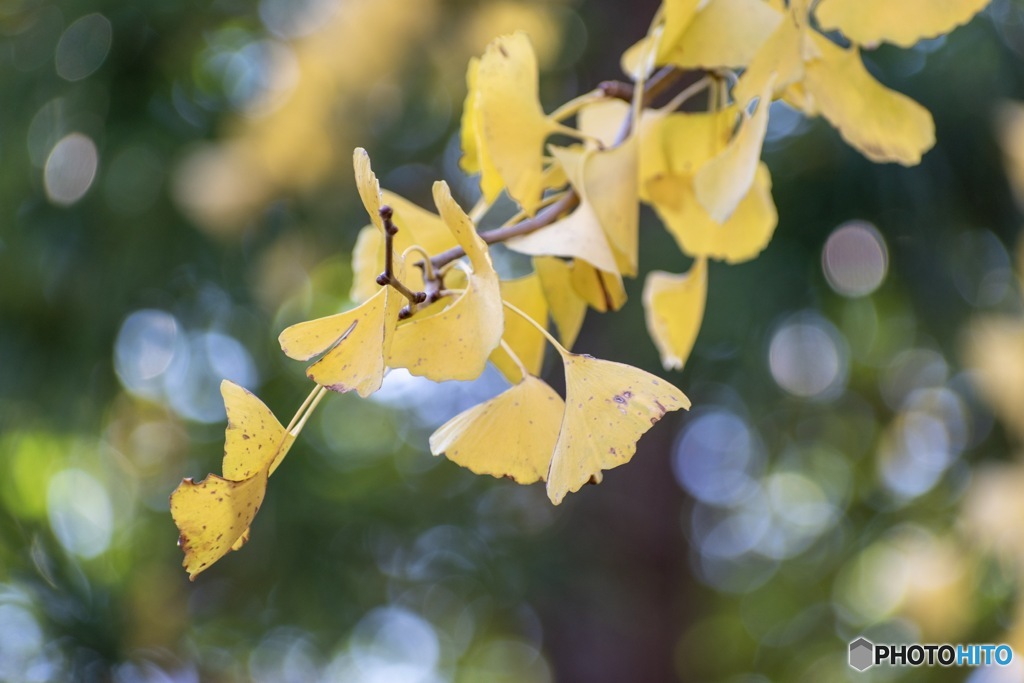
x=567, y=307
x=512, y=124
x=511, y=435
x=475, y=157
x=526, y=294
x=601, y=289
x=780, y=57
x=578, y=235
x=742, y=237
x=455, y=342
x=724, y=33
x=213, y=516
x=903, y=23
x=725, y=180
x=679, y=15
x=883, y=124
x=610, y=186
x=608, y=407
x=674, y=309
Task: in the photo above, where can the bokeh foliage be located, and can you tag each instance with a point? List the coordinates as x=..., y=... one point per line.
x=834, y=478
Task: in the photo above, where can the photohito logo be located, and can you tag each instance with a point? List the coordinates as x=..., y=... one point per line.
x=864, y=654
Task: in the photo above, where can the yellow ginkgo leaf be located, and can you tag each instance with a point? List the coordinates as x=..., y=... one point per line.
x=742, y=237
x=674, y=309
x=601, y=289
x=475, y=158
x=780, y=57
x=602, y=119
x=579, y=235
x=688, y=141
x=469, y=162
x=511, y=435
x=608, y=407
x=725, y=180
x=903, y=23
x=679, y=15
x=354, y=344
x=637, y=61
x=367, y=263
x=725, y=33
x=213, y=516
x=526, y=342
x=512, y=124
x=567, y=307
x=455, y=342
x=369, y=188
x=610, y=186
x=883, y=124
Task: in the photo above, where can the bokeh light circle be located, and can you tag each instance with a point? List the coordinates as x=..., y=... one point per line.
x=70, y=169
x=808, y=358
x=855, y=259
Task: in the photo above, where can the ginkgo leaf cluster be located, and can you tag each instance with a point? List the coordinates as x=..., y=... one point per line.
x=428, y=298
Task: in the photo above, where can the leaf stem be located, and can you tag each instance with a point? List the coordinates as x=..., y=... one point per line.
x=307, y=406
x=540, y=328
x=515, y=359
x=317, y=396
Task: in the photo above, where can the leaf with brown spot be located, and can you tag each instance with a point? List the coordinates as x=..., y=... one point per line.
x=213, y=516
x=609, y=406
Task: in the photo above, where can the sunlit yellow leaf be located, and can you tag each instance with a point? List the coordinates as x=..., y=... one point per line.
x=455, y=342
x=780, y=57
x=578, y=235
x=742, y=237
x=679, y=14
x=883, y=124
x=527, y=343
x=603, y=119
x=724, y=180
x=638, y=60
x=610, y=186
x=691, y=140
x=724, y=33
x=369, y=188
x=869, y=22
x=601, y=289
x=511, y=435
x=512, y=124
x=367, y=263
x=469, y=162
x=354, y=344
x=608, y=407
x=213, y=516
x=475, y=157
x=674, y=308
x=567, y=307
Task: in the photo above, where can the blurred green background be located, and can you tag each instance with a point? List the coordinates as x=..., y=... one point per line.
x=175, y=189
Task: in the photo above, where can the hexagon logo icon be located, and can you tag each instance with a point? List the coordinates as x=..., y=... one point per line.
x=862, y=654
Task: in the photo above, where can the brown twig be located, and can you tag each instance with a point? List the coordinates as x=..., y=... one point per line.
x=388, y=277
